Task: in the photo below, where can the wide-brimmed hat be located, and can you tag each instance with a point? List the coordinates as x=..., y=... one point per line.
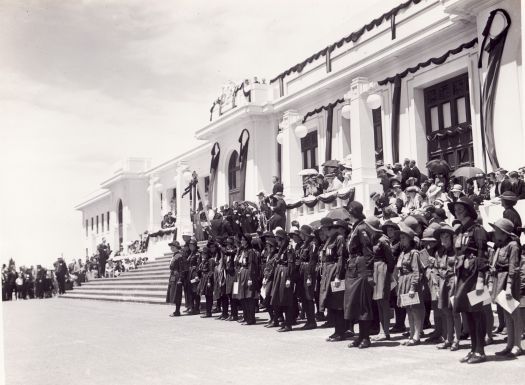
x=341, y=223
x=373, y=224
x=261, y=193
x=444, y=229
x=280, y=233
x=504, y=225
x=326, y=222
x=307, y=230
x=440, y=213
x=174, y=244
x=456, y=188
x=375, y=194
x=267, y=234
x=429, y=235
x=509, y=196
x=405, y=229
x=467, y=203
x=413, y=189
x=355, y=209
x=271, y=241
x=394, y=182
x=389, y=223
x=294, y=231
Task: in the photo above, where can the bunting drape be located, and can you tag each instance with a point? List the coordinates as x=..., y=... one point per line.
x=494, y=47
x=215, y=154
x=243, y=160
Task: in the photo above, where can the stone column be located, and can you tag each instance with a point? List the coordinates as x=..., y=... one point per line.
x=184, y=224
x=364, y=175
x=291, y=160
x=154, y=203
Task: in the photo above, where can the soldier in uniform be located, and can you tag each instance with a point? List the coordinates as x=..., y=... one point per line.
x=308, y=257
x=205, y=273
x=282, y=286
x=174, y=293
x=471, y=267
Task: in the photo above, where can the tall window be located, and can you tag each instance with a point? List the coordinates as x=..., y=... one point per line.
x=447, y=120
x=102, y=222
x=309, y=150
x=378, y=134
x=91, y=223
x=107, y=219
x=234, y=176
x=87, y=227
x=97, y=224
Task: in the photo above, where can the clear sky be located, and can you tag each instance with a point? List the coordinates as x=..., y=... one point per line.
x=84, y=84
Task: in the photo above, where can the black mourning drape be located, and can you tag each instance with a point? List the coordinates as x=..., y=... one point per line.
x=215, y=154
x=243, y=160
x=329, y=124
x=494, y=47
x=396, y=101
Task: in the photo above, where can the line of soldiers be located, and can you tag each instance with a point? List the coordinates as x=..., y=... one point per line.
x=355, y=270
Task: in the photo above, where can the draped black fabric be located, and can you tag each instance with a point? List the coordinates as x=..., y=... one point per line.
x=329, y=124
x=396, y=102
x=435, y=60
x=494, y=47
x=319, y=109
x=353, y=37
x=215, y=154
x=243, y=160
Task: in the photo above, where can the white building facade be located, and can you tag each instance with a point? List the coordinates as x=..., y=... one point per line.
x=438, y=117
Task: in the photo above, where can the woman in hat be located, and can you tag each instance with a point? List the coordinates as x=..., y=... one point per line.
x=219, y=278
x=410, y=273
x=230, y=275
x=308, y=257
x=413, y=201
x=282, y=289
x=205, y=274
x=270, y=256
x=506, y=279
x=429, y=282
x=334, y=252
x=369, y=268
x=247, y=278
x=174, y=293
x=194, y=260
x=471, y=267
x=456, y=192
x=445, y=261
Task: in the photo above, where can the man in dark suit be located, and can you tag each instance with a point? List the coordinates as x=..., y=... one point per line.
x=517, y=185
x=508, y=201
x=502, y=182
x=103, y=254
x=277, y=185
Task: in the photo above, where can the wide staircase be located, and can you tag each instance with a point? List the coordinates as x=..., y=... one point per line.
x=147, y=284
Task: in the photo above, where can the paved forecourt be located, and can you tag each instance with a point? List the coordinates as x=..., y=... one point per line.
x=64, y=341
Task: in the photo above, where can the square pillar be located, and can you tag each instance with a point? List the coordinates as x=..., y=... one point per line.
x=154, y=203
x=291, y=157
x=364, y=175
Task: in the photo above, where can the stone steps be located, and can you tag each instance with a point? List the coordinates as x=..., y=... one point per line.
x=145, y=284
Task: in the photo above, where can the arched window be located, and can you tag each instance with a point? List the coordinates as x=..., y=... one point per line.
x=234, y=176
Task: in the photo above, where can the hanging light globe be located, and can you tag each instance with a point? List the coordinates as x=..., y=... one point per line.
x=301, y=131
x=345, y=111
x=374, y=101
x=280, y=137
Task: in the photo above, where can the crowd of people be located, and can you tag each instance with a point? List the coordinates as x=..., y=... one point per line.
x=426, y=261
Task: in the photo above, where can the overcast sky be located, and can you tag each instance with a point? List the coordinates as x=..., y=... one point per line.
x=84, y=84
